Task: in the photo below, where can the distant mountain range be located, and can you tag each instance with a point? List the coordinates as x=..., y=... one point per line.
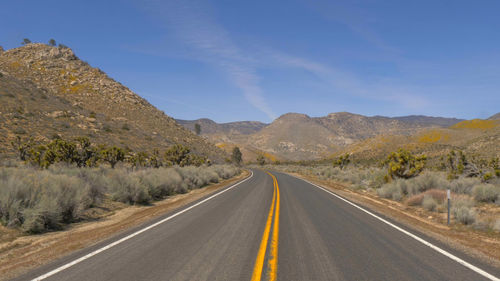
x=295, y=136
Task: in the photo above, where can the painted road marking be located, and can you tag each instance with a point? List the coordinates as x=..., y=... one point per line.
x=273, y=260
x=70, y=264
x=421, y=240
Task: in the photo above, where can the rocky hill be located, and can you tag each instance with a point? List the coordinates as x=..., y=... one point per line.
x=295, y=136
x=477, y=138
x=495, y=117
x=47, y=91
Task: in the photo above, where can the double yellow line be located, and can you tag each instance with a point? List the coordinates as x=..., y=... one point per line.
x=273, y=255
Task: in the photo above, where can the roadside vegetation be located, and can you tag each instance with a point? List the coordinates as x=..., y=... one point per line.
x=406, y=178
x=55, y=183
x=38, y=200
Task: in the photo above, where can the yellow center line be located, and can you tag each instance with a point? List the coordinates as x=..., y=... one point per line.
x=273, y=260
x=259, y=261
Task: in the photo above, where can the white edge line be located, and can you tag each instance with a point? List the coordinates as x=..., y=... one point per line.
x=70, y=264
x=432, y=246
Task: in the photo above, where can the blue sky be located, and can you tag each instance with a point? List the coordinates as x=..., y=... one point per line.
x=234, y=60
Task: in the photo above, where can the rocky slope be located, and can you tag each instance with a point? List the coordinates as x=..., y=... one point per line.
x=495, y=117
x=47, y=90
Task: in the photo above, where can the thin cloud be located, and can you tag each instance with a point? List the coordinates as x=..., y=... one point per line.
x=342, y=81
x=211, y=43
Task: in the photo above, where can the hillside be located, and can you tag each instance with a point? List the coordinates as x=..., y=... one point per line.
x=295, y=136
x=495, y=117
x=478, y=138
x=47, y=90
x=210, y=127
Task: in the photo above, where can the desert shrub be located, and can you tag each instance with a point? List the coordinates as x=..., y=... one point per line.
x=127, y=188
x=429, y=203
x=463, y=185
x=39, y=200
x=19, y=131
x=462, y=210
x=226, y=171
x=196, y=177
x=392, y=190
x=496, y=225
x=438, y=195
x=487, y=176
x=424, y=182
x=161, y=183
x=486, y=193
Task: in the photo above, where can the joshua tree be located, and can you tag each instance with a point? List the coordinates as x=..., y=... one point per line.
x=261, y=160
x=52, y=42
x=403, y=164
x=342, y=161
x=197, y=128
x=236, y=156
x=177, y=154
x=25, y=41
x=112, y=155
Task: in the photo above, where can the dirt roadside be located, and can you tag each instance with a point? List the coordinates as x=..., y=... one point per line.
x=482, y=245
x=22, y=253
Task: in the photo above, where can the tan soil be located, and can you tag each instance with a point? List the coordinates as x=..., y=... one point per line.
x=479, y=244
x=20, y=253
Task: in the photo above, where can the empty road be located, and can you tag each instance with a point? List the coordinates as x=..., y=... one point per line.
x=270, y=227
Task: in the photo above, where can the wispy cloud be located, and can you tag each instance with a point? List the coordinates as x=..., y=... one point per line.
x=347, y=83
x=211, y=43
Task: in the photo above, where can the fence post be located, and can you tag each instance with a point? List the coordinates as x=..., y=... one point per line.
x=448, y=196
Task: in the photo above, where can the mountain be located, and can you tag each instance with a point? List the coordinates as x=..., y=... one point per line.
x=47, y=90
x=495, y=117
x=210, y=127
x=295, y=136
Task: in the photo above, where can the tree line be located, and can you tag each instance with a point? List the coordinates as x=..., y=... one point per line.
x=82, y=153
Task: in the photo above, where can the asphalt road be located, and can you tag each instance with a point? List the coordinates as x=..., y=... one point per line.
x=233, y=236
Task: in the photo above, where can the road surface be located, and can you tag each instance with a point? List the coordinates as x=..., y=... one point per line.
x=270, y=227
